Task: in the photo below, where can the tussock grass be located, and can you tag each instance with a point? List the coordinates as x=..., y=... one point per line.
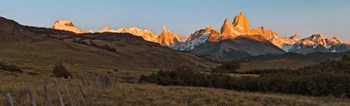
x=155, y=95
x=150, y=94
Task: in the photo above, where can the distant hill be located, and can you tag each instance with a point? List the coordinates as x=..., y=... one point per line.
x=20, y=43
x=287, y=60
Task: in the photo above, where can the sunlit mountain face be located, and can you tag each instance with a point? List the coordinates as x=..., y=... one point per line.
x=237, y=31
x=166, y=38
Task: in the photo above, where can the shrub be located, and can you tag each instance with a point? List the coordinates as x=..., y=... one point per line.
x=11, y=68
x=80, y=41
x=32, y=73
x=59, y=71
x=326, y=78
x=105, y=47
x=115, y=70
x=227, y=67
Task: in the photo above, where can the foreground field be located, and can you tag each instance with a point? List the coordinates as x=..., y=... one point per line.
x=127, y=94
x=147, y=94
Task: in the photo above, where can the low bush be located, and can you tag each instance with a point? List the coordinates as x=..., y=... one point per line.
x=59, y=71
x=227, y=67
x=33, y=73
x=324, y=79
x=11, y=68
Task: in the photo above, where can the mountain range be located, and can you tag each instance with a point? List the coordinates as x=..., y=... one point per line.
x=45, y=46
x=234, y=40
x=166, y=38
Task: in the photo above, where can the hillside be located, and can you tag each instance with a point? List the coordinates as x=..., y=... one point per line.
x=29, y=45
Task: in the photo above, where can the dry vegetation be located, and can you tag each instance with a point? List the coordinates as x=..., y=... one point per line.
x=154, y=95
x=146, y=94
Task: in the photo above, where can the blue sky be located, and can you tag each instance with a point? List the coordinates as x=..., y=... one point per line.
x=303, y=17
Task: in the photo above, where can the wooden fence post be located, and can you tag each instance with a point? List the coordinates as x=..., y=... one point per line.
x=58, y=90
x=68, y=92
x=48, y=96
x=73, y=91
x=9, y=99
x=81, y=92
x=96, y=80
x=113, y=80
x=32, y=96
x=84, y=78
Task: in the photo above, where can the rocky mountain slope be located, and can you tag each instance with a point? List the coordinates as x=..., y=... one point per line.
x=240, y=28
x=233, y=41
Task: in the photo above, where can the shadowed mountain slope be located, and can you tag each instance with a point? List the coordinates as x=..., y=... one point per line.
x=47, y=46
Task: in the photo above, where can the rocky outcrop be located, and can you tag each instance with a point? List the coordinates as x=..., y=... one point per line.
x=66, y=26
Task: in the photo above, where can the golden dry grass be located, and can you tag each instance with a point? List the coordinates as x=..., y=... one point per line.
x=155, y=95
x=152, y=95
x=141, y=94
x=127, y=94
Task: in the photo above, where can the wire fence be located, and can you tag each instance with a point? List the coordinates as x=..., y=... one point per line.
x=81, y=90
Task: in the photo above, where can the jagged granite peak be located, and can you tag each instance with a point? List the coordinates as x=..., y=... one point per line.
x=241, y=23
x=167, y=38
x=227, y=30
x=335, y=40
x=295, y=37
x=268, y=34
x=241, y=27
x=164, y=28
x=66, y=25
x=215, y=36
x=208, y=29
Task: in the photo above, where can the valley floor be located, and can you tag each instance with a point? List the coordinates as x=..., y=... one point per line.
x=155, y=95
x=133, y=94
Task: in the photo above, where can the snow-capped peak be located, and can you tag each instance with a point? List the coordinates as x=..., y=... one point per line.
x=316, y=43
